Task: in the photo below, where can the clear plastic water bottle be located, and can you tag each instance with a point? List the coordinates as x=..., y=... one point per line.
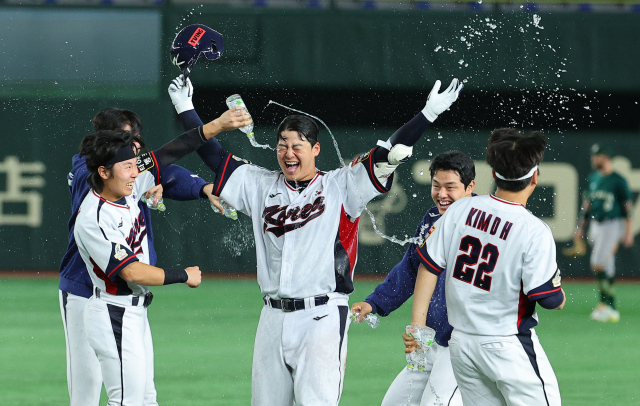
x=234, y=101
x=424, y=337
x=371, y=319
x=229, y=211
x=158, y=206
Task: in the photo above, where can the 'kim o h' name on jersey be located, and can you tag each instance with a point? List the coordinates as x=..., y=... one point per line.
x=500, y=259
x=112, y=235
x=306, y=242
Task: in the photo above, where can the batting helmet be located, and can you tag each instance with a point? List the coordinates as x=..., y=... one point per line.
x=192, y=41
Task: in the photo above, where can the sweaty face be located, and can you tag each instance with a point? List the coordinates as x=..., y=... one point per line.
x=120, y=180
x=446, y=188
x=296, y=156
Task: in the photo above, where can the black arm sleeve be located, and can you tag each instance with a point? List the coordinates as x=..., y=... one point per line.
x=180, y=147
x=408, y=135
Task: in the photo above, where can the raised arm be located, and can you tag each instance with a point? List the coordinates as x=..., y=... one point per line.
x=399, y=147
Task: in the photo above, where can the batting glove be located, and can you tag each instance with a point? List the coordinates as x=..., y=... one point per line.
x=439, y=102
x=181, y=94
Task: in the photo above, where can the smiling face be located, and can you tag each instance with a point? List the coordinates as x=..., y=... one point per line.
x=296, y=156
x=446, y=188
x=118, y=181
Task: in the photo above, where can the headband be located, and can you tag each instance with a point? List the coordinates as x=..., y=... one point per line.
x=124, y=154
x=528, y=175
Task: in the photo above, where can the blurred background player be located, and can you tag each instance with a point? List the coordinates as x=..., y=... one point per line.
x=112, y=240
x=607, y=208
x=305, y=223
x=84, y=379
x=500, y=261
x=452, y=178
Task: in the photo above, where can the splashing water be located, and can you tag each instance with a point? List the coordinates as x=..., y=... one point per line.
x=342, y=164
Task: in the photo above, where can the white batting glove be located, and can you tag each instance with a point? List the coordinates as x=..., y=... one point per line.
x=181, y=94
x=439, y=102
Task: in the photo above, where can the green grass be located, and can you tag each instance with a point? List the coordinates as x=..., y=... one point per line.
x=204, y=342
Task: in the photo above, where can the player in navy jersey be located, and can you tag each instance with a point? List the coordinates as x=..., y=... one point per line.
x=452, y=178
x=84, y=379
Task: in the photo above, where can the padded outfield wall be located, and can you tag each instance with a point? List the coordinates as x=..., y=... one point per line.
x=47, y=103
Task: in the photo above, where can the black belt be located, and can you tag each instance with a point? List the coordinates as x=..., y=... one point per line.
x=135, y=300
x=291, y=305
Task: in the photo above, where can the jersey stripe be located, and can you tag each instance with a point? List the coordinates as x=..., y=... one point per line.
x=544, y=293
x=426, y=261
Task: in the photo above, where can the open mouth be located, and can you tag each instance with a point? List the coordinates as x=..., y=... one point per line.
x=130, y=185
x=292, y=166
x=444, y=205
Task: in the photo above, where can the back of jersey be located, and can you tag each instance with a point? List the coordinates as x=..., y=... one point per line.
x=497, y=254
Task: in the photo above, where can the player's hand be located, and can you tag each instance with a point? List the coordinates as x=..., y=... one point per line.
x=195, y=276
x=215, y=200
x=439, y=102
x=361, y=309
x=156, y=192
x=628, y=240
x=410, y=343
x=228, y=121
x=181, y=93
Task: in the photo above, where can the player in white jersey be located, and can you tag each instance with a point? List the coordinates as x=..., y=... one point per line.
x=112, y=239
x=500, y=262
x=305, y=223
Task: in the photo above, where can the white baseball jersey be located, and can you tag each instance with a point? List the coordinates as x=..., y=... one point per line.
x=111, y=235
x=499, y=257
x=306, y=242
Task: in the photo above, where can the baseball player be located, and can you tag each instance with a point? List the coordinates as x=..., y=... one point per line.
x=607, y=208
x=111, y=235
x=452, y=178
x=305, y=223
x=500, y=262
x=84, y=379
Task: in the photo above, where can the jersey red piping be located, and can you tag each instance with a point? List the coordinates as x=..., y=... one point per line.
x=505, y=201
x=542, y=293
x=108, y=202
x=375, y=182
x=121, y=263
x=223, y=172
x=428, y=262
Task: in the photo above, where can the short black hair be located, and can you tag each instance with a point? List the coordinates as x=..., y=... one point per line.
x=513, y=154
x=305, y=126
x=113, y=119
x=454, y=161
x=101, y=147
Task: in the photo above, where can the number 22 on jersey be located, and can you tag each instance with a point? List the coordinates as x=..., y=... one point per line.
x=467, y=268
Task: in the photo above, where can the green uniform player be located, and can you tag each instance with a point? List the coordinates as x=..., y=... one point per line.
x=607, y=208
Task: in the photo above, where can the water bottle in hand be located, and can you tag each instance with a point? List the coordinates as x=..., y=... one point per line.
x=234, y=101
x=229, y=211
x=371, y=319
x=159, y=205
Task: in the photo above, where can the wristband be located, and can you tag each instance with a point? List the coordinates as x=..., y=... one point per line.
x=172, y=276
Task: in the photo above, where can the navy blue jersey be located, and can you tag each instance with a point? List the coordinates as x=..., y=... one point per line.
x=178, y=184
x=398, y=286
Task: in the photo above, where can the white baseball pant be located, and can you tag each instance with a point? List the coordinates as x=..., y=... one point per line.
x=300, y=357
x=604, y=237
x=503, y=370
x=120, y=335
x=434, y=386
x=84, y=378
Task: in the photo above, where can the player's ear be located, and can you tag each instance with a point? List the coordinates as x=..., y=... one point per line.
x=471, y=187
x=103, y=172
x=534, y=178
x=316, y=149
